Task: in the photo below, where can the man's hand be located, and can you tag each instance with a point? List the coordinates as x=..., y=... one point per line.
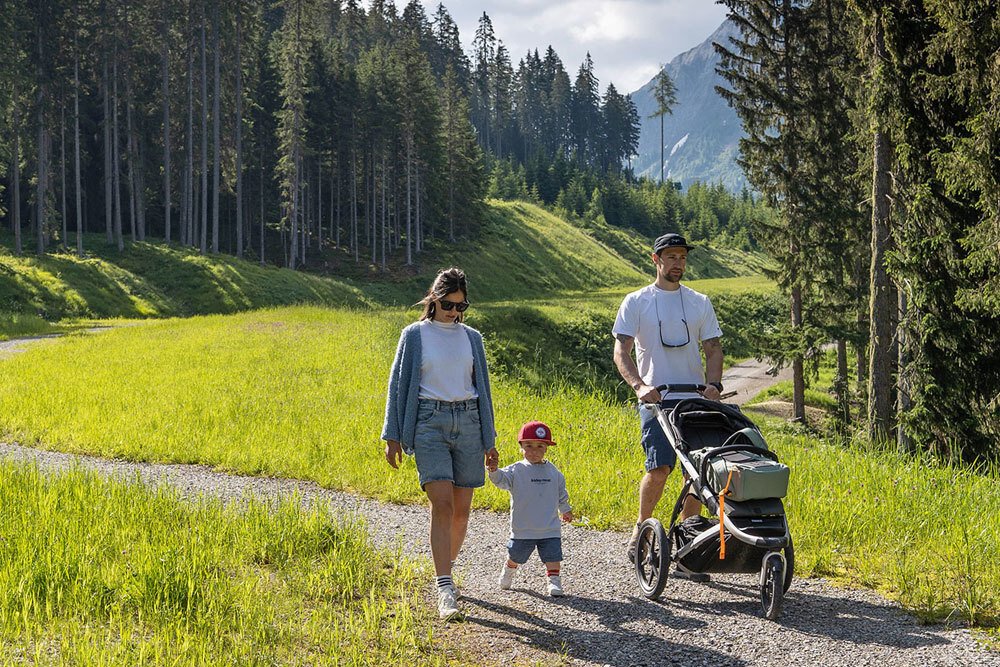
x=647, y=394
x=711, y=393
x=393, y=453
x=492, y=458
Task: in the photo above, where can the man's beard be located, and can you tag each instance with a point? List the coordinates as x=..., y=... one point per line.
x=673, y=275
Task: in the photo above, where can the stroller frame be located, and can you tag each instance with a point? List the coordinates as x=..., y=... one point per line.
x=756, y=532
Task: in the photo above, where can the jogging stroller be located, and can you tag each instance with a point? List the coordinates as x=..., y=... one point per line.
x=730, y=470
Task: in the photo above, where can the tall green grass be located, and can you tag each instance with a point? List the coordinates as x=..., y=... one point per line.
x=105, y=572
x=300, y=392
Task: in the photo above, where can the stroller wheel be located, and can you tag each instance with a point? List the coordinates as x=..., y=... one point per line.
x=652, y=558
x=789, y=565
x=772, y=585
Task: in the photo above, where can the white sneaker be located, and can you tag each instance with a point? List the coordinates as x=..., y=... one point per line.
x=457, y=591
x=633, y=543
x=447, y=607
x=555, y=586
x=506, y=577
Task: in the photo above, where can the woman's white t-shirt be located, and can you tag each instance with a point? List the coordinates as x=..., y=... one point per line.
x=647, y=312
x=445, y=362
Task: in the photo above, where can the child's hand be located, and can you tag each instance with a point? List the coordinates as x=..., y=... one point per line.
x=491, y=466
x=492, y=458
x=567, y=516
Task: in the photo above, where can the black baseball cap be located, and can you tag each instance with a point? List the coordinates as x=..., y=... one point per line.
x=670, y=241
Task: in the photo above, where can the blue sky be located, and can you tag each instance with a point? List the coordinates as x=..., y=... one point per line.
x=628, y=39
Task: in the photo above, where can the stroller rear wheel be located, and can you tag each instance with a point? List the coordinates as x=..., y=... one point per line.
x=652, y=558
x=789, y=565
x=772, y=585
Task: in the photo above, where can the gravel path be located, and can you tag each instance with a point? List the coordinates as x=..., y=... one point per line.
x=603, y=620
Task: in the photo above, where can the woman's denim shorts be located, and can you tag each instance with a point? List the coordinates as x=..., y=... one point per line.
x=449, y=443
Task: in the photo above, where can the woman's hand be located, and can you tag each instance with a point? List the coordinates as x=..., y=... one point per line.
x=393, y=453
x=492, y=458
x=567, y=516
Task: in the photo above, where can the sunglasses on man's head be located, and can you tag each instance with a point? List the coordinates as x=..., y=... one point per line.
x=460, y=306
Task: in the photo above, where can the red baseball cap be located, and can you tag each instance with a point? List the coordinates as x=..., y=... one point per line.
x=536, y=431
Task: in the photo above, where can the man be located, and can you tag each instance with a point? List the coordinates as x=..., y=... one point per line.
x=664, y=322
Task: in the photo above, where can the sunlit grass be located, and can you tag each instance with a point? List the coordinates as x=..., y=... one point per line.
x=126, y=575
x=300, y=392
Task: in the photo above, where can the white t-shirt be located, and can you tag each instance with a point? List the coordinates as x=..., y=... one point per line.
x=653, y=316
x=445, y=362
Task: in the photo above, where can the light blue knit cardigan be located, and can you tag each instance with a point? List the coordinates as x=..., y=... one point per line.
x=404, y=389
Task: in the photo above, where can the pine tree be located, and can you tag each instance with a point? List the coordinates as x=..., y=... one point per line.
x=665, y=94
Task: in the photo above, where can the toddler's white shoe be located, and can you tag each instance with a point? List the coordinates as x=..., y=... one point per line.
x=555, y=586
x=506, y=579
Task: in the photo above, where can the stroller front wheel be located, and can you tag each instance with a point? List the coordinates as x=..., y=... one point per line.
x=772, y=585
x=652, y=558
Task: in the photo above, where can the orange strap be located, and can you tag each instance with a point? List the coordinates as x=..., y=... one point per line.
x=722, y=517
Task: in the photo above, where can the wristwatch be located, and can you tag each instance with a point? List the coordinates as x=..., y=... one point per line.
x=717, y=385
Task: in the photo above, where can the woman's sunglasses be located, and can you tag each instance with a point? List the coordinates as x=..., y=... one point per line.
x=460, y=306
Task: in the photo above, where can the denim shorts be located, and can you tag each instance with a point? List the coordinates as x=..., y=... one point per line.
x=449, y=443
x=549, y=550
x=659, y=453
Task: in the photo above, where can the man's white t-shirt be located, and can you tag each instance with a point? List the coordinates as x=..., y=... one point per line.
x=653, y=316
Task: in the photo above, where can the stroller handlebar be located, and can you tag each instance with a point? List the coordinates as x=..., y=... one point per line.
x=679, y=388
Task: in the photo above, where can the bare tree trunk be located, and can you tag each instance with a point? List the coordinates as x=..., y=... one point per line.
x=76, y=148
x=262, y=206
x=335, y=176
x=204, y=138
x=385, y=228
x=904, y=396
x=409, y=200
x=41, y=190
x=115, y=157
x=798, y=372
x=882, y=304
x=354, y=202
x=842, y=384
x=166, y=127
x=189, y=151
x=62, y=167
x=420, y=217
x=216, y=122
x=108, y=161
x=16, y=178
x=131, y=154
x=319, y=201
x=239, y=134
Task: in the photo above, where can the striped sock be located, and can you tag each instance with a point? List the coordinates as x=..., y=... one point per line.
x=553, y=572
x=444, y=581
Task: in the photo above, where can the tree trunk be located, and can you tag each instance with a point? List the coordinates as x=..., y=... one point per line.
x=204, y=138
x=16, y=180
x=882, y=303
x=385, y=229
x=108, y=161
x=319, y=201
x=842, y=383
x=166, y=127
x=335, y=176
x=62, y=168
x=76, y=148
x=216, y=122
x=409, y=201
x=189, y=226
x=239, y=134
x=262, y=206
x=41, y=186
x=131, y=154
x=904, y=393
x=798, y=372
x=116, y=168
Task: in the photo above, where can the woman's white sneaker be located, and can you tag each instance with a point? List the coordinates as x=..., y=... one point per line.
x=447, y=607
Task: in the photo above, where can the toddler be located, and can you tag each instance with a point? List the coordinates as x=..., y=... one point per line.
x=538, y=499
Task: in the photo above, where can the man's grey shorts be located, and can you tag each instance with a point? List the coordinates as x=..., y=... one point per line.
x=449, y=443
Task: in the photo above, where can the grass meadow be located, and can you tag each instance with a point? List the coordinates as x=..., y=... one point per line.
x=299, y=392
x=127, y=575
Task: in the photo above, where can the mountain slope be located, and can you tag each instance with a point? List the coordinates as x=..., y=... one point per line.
x=701, y=136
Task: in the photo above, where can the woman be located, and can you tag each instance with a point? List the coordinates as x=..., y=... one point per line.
x=439, y=409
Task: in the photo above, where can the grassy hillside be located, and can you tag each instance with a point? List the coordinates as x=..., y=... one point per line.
x=522, y=252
